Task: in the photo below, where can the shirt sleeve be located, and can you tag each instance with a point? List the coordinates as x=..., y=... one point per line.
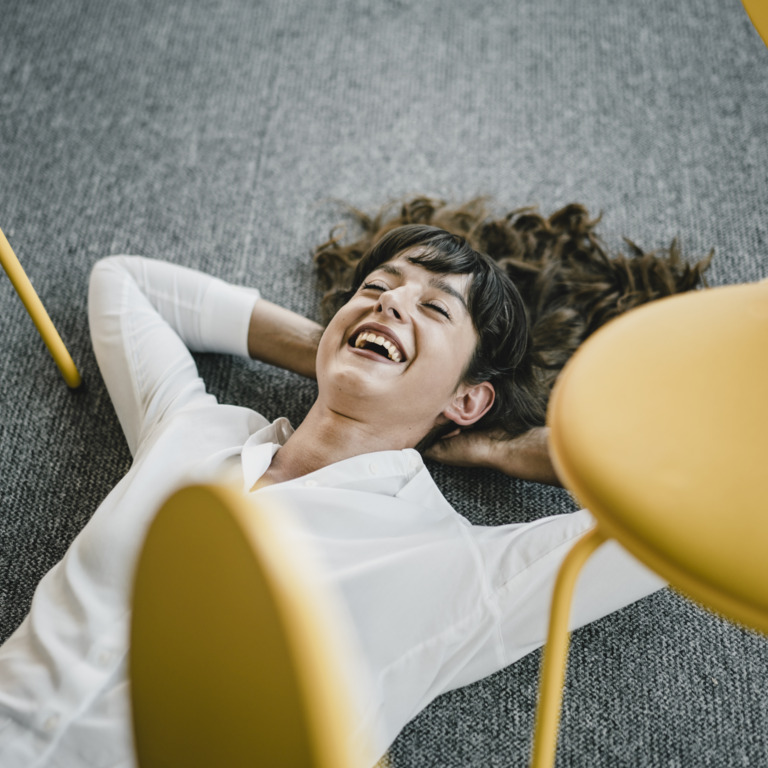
x=521, y=562
x=146, y=318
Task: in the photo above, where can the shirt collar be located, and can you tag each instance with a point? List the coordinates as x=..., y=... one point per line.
x=386, y=472
x=260, y=447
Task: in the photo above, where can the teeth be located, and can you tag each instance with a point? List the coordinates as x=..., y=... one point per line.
x=372, y=338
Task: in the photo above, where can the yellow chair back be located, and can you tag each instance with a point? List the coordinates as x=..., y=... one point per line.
x=236, y=658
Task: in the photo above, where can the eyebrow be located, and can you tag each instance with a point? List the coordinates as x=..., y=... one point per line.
x=436, y=282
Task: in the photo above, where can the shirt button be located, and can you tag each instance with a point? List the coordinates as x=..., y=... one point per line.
x=103, y=658
x=51, y=723
x=310, y=483
x=373, y=469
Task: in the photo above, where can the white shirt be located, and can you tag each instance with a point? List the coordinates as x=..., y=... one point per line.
x=435, y=602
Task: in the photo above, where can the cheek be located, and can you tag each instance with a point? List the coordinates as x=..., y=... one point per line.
x=460, y=350
x=325, y=341
x=469, y=345
x=334, y=331
x=324, y=350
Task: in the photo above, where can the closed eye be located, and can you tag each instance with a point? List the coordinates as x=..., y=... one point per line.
x=438, y=308
x=382, y=287
x=374, y=287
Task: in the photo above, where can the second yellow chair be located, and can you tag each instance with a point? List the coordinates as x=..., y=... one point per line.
x=659, y=426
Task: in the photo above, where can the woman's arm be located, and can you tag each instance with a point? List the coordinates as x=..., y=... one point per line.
x=525, y=456
x=147, y=316
x=280, y=337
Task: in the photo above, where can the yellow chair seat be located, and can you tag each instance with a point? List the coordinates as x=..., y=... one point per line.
x=660, y=428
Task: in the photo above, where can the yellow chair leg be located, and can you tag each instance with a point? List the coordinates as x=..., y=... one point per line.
x=37, y=312
x=556, y=651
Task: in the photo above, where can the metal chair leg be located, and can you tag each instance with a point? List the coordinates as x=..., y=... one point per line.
x=37, y=312
x=555, y=657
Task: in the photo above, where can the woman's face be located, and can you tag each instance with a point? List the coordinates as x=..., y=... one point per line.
x=394, y=354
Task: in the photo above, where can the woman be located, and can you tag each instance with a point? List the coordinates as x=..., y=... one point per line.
x=426, y=346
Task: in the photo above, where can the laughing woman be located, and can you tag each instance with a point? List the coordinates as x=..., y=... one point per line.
x=568, y=281
x=435, y=346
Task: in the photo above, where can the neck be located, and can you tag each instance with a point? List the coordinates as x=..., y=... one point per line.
x=325, y=437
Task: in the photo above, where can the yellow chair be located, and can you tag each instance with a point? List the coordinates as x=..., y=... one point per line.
x=236, y=657
x=757, y=10
x=659, y=426
x=37, y=312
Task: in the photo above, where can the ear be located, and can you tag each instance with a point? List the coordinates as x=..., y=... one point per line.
x=470, y=402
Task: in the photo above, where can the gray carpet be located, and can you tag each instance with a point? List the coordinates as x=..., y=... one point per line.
x=219, y=134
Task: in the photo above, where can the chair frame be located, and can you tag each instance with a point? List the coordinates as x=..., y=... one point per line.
x=40, y=317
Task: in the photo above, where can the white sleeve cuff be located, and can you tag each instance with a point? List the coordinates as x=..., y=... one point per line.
x=225, y=318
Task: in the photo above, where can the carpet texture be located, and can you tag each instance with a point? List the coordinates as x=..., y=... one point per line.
x=221, y=134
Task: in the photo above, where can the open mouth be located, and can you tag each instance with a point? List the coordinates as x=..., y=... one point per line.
x=375, y=341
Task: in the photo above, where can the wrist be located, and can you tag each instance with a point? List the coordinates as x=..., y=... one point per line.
x=283, y=338
x=527, y=457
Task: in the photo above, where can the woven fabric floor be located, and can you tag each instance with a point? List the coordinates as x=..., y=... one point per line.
x=221, y=134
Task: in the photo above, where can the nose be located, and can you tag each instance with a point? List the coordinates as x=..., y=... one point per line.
x=391, y=304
